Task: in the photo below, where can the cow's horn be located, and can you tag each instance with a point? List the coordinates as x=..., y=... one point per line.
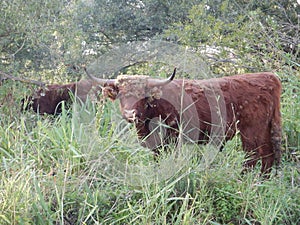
x=99, y=81
x=156, y=82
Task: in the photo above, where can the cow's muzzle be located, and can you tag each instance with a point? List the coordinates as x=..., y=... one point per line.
x=130, y=115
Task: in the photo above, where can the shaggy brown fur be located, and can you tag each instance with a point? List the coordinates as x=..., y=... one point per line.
x=48, y=99
x=249, y=103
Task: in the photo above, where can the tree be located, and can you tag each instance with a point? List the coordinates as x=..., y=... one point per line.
x=37, y=36
x=131, y=20
x=251, y=35
x=55, y=36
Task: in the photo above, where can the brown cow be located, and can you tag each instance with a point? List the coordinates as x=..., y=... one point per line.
x=208, y=109
x=49, y=99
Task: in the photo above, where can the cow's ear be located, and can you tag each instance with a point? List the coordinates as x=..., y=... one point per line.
x=110, y=91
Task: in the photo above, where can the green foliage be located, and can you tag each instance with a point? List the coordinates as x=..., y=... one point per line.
x=37, y=35
x=239, y=36
x=133, y=20
x=48, y=36
x=227, y=203
x=86, y=166
x=290, y=112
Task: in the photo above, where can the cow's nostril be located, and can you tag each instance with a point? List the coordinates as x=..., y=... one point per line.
x=130, y=115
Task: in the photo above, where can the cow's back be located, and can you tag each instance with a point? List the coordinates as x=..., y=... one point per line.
x=245, y=96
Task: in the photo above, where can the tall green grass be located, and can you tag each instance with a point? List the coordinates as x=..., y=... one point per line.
x=86, y=167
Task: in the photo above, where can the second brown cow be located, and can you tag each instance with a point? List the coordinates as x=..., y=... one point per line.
x=49, y=98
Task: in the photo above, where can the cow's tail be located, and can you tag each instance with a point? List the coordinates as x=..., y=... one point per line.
x=276, y=134
x=276, y=142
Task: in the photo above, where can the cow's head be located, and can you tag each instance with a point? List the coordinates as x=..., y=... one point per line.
x=136, y=94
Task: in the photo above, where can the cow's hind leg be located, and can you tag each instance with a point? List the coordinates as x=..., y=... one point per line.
x=255, y=152
x=268, y=160
x=269, y=156
x=250, y=147
x=256, y=148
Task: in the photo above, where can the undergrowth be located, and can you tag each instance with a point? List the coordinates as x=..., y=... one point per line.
x=87, y=167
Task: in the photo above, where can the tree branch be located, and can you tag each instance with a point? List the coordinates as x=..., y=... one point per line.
x=5, y=76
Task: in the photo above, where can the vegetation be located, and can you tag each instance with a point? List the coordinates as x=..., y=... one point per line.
x=86, y=165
